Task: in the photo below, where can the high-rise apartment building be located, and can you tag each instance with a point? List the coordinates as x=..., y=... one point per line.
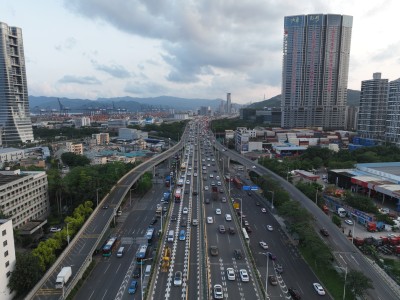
x=373, y=105
x=393, y=113
x=316, y=52
x=8, y=259
x=14, y=104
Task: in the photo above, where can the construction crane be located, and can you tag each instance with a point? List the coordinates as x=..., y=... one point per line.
x=63, y=110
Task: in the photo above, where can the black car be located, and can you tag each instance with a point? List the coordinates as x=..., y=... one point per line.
x=105, y=206
x=173, y=218
x=207, y=201
x=294, y=293
x=154, y=221
x=195, y=193
x=324, y=232
x=237, y=253
x=136, y=273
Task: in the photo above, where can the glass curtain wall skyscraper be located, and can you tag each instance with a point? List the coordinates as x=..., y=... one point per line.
x=14, y=104
x=316, y=53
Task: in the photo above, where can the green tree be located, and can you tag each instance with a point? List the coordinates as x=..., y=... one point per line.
x=26, y=274
x=74, y=160
x=358, y=283
x=336, y=220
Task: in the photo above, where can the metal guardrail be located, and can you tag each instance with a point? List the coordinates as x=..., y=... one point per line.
x=151, y=162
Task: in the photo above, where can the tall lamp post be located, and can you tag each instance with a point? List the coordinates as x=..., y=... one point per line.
x=67, y=234
x=97, y=196
x=241, y=213
x=272, y=201
x=266, y=275
x=345, y=278
x=141, y=275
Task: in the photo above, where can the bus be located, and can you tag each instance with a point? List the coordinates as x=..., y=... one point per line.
x=109, y=246
x=246, y=235
x=178, y=195
x=149, y=234
x=141, y=254
x=183, y=167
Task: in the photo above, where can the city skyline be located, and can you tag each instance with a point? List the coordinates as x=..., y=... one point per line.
x=88, y=49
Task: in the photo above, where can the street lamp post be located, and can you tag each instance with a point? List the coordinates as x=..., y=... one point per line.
x=316, y=196
x=272, y=200
x=97, y=196
x=141, y=275
x=241, y=213
x=67, y=234
x=345, y=278
x=352, y=233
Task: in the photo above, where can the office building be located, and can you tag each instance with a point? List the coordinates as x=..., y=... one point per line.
x=8, y=259
x=14, y=104
x=316, y=52
x=373, y=104
x=393, y=113
x=351, y=119
x=228, y=104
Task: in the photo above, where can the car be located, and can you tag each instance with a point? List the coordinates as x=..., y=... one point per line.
x=207, y=201
x=214, y=251
x=55, y=229
x=165, y=209
x=219, y=183
x=173, y=218
x=206, y=188
x=195, y=222
x=231, y=230
x=218, y=293
x=348, y=222
x=318, y=288
x=272, y=280
x=271, y=256
x=183, y=222
x=324, y=232
x=186, y=192
x=230, y=273
x=212, y=183
x=182, y=235
x=218, y=178
x=105, y=206
x=237, y=253
x=210, y=220
x=263, y=245
x=154, y=221
x=221, y=228
x=136, y=272
x=245, y=222
x=244, y=276
x=279, y=268
x=195, y=174
x=132, y=287
x=248, y=193
x=270, y=228
x=178, y=278
x=263, y=210
x=253, y=167
x=218, y=211
x=223, y=199
x=195, y=193
x=187, y=181
x=228, y=217
x=185, y=210
x=248, y=229
x=211, y=175
x=294, y=293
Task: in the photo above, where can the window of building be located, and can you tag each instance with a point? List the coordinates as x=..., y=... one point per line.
x=4, y=232
x=7, y=263
x=8, y=274
x=6, y=253
x=5, y=243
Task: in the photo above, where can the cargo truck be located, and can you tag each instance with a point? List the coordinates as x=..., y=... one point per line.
x=63, y=277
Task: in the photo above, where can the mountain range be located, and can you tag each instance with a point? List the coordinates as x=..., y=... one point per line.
x=132, y=104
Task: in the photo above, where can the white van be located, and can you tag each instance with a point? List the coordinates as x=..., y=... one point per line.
x=120, y=252
x=147, y=271
x=170, y=236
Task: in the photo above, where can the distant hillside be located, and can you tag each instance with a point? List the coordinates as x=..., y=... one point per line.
x=129, y=103
x=353, y=99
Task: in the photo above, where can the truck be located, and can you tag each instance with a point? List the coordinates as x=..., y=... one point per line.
x=341, y=212
x=166, y=197
x=166, y=259
x=63, y=277
x=168, y=181
x=214, y=193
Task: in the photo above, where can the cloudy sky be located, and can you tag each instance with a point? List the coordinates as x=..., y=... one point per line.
x=185, y=48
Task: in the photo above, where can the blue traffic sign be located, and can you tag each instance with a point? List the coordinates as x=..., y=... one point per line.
x=246, y=188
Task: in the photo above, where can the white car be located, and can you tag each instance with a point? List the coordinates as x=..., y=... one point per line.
x=348, y=222
x=319, y=289
x=228, y=217
x=263, y=245
x=223, y=199
x=219, y=183
x=218, y=211
x=185, y=210
x=244, y=276
x=187, y=181
x=178, y=278
x=55, y=229
x=218, y=178
x=195, y=174
x=230, y=273
x=211, y=175
x=206, y=188
x=253, y=167
x=263, y=210
x=218, y=293
x=270, y=228
x=210, y=220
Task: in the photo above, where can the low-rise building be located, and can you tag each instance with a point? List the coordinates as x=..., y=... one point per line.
x=11, y=155
x=74, y=148
x=102, y=138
